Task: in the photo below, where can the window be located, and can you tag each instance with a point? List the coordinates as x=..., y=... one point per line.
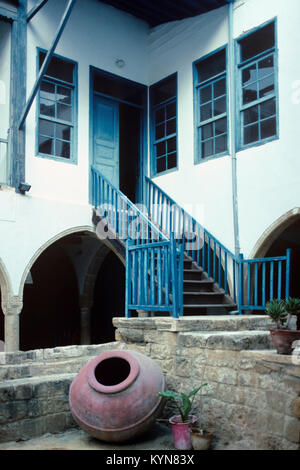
x=56, y=122
x=163, y=102
x=258, y=102
x=211, y=106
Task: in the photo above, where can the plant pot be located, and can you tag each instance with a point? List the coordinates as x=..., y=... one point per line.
x=283, y=340
x=182, y=432
x=201, y=441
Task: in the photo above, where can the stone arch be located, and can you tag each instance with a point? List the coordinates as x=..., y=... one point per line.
x=273, y=232
x=6, y=296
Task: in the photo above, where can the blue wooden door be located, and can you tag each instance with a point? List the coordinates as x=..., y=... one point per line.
x=106, y=138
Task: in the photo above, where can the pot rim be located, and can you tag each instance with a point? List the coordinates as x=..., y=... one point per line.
x=192, y=420
x=134, y=371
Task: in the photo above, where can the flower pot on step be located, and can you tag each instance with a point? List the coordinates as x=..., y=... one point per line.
x=283, y=340
x=201, y=440
x=182, y=432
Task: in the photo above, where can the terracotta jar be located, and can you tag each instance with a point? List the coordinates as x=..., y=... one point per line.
x=114, y=397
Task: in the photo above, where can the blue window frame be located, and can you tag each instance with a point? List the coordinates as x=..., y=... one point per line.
x=163, y=112
x=210, y=106
x=57, y=113
x=257, y=55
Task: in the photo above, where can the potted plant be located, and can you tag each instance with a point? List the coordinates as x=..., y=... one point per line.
x=182, y=423
x=281, y=312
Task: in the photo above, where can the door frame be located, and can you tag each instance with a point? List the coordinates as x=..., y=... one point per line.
x=143, y=162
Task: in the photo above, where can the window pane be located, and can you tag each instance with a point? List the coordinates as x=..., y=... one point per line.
x=46, y=145
x=171, y=127
x=207, y=131
x=160, y=115
x=164, y=90
x=58, y=68
x=62, y=149
x=220, y=88
x=257, y=42
x=206, y=112
x=251, y=134
x=172, y=160
x=47, y=108
x=249, y=75
x=160, y=149
x=206, y=94
x=46, y=128
x=171, y=145
x=220, y=144
x=64, y=94
x=171, y=110
x=221, y=126
x=268, y=128
x=211, y=66
x=207, y=148
x=160, y=131
x=64, y=112
x=220, y=106
x=265, y=67
x=160, y=165
x=250, y=93
x=251, y=115
x=266, y=86
x=268, y=109
x=63, y=132
x=47, y=90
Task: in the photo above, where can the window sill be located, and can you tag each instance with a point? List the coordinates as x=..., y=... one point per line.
x=213, y=157
x=258, y=144
x=162, y=173
x=57, y=159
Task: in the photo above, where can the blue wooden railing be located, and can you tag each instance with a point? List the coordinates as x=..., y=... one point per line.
x=263, y=279
x=125, y=219
x=251, y=283
x=201, y=246
x=154, y=277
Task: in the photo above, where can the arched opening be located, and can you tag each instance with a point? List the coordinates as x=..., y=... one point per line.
x=72, y=274
x=283, y=235
x=50, y=315
x=109, y=299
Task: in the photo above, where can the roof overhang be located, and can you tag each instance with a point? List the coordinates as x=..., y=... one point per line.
x=156, y=12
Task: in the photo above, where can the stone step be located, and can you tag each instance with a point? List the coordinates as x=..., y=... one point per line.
x=46, y=362
x=232, y=340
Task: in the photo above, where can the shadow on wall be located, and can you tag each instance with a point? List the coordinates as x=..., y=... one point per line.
x=109, y=299
x=50, y=315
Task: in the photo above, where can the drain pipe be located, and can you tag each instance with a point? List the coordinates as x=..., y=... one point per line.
x=232, y=132
x=232, y=128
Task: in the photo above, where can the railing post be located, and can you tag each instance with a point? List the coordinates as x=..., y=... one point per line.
x=175, y=293
x=288, y=272
x=240, y=296
x=128, y=279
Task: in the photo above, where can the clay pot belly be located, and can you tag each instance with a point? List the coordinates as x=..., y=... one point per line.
x=115, y=398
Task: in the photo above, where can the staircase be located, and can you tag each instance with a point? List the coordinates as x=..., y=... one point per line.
x=175, y=265
x=201, y=295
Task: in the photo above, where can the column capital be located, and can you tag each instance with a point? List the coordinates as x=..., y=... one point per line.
x=12, y=306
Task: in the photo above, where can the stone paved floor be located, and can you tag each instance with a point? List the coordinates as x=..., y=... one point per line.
x=157, y=438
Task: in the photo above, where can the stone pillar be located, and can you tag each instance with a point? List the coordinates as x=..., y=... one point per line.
x=85, y=322
x=12, y=309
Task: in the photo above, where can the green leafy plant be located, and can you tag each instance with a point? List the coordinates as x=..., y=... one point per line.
x=183, y=402
x=276, y=310
x=281, y=311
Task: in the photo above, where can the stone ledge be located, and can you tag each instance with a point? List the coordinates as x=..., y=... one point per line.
x=233, y=340
x=196, y=323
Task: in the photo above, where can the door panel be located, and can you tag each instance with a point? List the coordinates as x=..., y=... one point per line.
x=106, y=138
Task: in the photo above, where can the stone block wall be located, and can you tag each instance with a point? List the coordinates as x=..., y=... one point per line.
x=252, y=397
